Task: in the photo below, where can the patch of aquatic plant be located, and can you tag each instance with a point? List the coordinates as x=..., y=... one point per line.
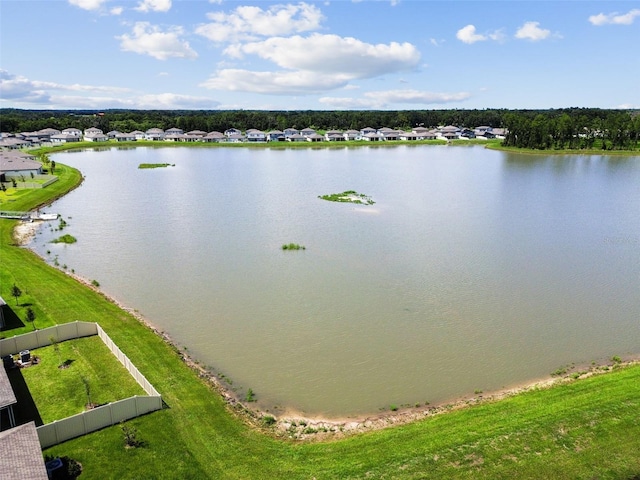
x=293, y=246
x=250, y=396
x=65, y=239
x=349, y=196
x=155, y=165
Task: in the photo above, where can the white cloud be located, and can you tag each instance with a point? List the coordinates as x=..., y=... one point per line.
x=116, y=11
x=468, y=35
x=274, y=83
x=154, y=6
x=615, y=18
x=383, y=99
x=149, y=40
x=250, y=23
x=21, y=89
x=333, y=54
x=532, y=31
x=313, y=64
x=87, y=4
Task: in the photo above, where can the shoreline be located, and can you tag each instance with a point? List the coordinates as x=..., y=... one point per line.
x=291, y=424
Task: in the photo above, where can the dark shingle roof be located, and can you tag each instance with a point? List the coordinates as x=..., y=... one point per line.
x=21, y=454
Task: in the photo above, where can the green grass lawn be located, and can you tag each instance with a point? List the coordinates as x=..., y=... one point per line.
x=587, y=428
x=61, y=392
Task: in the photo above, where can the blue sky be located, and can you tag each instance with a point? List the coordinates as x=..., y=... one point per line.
x=330, y=55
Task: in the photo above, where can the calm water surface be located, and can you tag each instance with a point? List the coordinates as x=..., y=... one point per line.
x=474, y=270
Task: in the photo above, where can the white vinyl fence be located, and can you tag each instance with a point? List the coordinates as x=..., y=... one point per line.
x=91, y=420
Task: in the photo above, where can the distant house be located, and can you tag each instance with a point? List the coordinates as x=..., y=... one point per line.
x=13, y=143
x=364, y=131
x=372, y=137
x=236, y=138
x=296, y=137
x=314, y=137
x=72, y=131
x=254, y=135
x=112, y=134
x=307, y=131
x=389, y=134
x=16, y=164
x=275, y=136
x=467, y=133
x=174, y=137
x=429, y=135
x=196, y=133
x=126, y=137
x=92, y=131
x=174, y=131
x=420, y=129
x=232, y=131
x=351, y=134
x=154, y=134
x=408, y=136
x=96, y=137
x=64, y=138
x=214, y=137
x=290, y=131
x=138, y=135
x=334, y=136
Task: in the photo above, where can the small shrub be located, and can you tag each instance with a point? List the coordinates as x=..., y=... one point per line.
x=268, y=420
x=131, y=439
x=393, y=408
x=250, y=396
x=95, y=283
x=616, y=359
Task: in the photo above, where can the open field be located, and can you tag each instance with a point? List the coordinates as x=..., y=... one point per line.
x=587, y=428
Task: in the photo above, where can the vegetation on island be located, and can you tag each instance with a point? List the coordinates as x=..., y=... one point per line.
x=155, y=165
x=66, y=238
x=349, y=196
x=583, y=428
x=293, y=246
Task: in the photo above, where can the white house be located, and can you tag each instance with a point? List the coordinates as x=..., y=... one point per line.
x=154, y=134
x=254, y=135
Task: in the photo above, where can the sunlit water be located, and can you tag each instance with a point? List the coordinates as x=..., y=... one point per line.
x=474, y=270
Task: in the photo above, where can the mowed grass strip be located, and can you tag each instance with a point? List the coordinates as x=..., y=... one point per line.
x=60, y=392
x=585, y=429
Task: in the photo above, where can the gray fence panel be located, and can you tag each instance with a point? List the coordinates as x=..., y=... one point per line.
x=42, y=338
x=92, y=420
x=96, y=419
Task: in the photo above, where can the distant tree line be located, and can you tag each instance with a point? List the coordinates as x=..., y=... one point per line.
x=537, y=129
x=609, y=130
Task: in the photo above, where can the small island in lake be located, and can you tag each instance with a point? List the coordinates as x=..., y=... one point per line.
x=155, y=165
x=350, y=196
x=293, y=246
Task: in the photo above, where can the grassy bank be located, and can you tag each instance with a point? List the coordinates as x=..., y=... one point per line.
x=585, y=429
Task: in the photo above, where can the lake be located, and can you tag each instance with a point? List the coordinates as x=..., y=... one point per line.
x=474, y=270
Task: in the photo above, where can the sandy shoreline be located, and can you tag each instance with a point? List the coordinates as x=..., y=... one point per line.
x=289, y=423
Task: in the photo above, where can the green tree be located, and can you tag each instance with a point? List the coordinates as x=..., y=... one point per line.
x=31, y=317
x=16, y=292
